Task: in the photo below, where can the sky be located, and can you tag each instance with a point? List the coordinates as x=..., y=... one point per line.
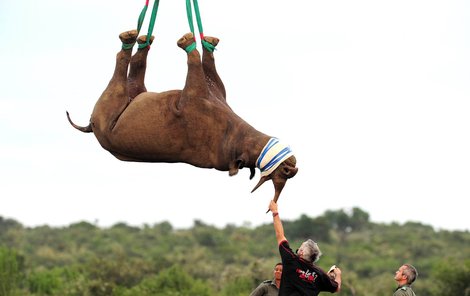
x=372, y=96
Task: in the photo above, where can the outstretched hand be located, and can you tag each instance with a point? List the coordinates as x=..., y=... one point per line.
x=337, y=271
x=273, y=206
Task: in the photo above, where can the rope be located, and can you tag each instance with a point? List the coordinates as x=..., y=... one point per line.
x=206, y=44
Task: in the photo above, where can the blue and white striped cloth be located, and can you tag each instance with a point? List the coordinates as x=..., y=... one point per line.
x=272, y=155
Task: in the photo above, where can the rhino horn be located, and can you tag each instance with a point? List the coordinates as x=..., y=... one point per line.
x=261, y=181
x=279, y=176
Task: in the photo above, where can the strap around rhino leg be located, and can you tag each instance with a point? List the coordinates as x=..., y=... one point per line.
x=126, y=46
x=207, y=45
x=128, y=39
x=191, y=47
x=144, y=41
x=187, y=42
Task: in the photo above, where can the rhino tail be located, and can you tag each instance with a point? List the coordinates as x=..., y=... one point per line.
x=85, y=129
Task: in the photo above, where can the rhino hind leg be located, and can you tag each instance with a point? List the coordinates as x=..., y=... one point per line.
x=123, y=57
x=137, y=68
x=115, y=98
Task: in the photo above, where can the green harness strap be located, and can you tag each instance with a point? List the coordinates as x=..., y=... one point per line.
x=142, y=16
x=140, y=22
x=191, y=47
x=206, y=44
x=151, y=24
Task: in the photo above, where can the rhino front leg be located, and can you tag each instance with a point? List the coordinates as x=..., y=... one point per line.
x=213, y=80
x=137, y=68
x=195, y=86
x=115, y=98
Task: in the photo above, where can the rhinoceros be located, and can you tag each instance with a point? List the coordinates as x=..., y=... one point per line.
x=194, y=125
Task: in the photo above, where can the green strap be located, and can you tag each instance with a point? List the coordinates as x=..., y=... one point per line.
x=142, y=17
x=126, y=46
x=198, y=16
x=151, y=24
x=191, y=47
x=189, y=12
x=209, y=46
x=140, y=21
x=206, y=44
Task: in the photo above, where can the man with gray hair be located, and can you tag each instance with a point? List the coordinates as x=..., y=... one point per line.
x=404, y=277
x=300, y=275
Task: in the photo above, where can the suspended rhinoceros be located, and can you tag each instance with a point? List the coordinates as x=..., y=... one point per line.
x=194, y=125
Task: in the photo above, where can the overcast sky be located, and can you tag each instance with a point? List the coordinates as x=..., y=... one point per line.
x=372, y=96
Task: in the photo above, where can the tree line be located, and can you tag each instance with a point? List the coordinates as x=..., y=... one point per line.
x=204, y=260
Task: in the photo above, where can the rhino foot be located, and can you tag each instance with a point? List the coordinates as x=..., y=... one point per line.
x=186, y=40
x=212, y=40
x=128, y=37
x=143, y=39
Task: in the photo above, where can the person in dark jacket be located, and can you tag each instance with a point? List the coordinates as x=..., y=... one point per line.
x=270, y=287
x=300, y=275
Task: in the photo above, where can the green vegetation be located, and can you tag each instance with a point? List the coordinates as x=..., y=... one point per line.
x=83, y=259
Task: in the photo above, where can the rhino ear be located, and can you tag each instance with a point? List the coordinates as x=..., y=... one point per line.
x=240, y=163
x=235, y=166
x=289, y=171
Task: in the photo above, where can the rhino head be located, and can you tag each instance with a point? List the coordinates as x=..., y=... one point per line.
x=277, y=163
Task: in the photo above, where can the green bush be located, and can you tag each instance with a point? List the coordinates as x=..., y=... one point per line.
x=9, y=272
x=173, y=281
x=44, y=282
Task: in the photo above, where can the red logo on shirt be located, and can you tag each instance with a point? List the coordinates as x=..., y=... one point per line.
x=307, y=276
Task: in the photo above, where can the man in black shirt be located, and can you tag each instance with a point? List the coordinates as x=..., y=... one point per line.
x=300, y=275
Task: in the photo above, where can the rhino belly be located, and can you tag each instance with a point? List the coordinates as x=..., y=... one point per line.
x=145, y=130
